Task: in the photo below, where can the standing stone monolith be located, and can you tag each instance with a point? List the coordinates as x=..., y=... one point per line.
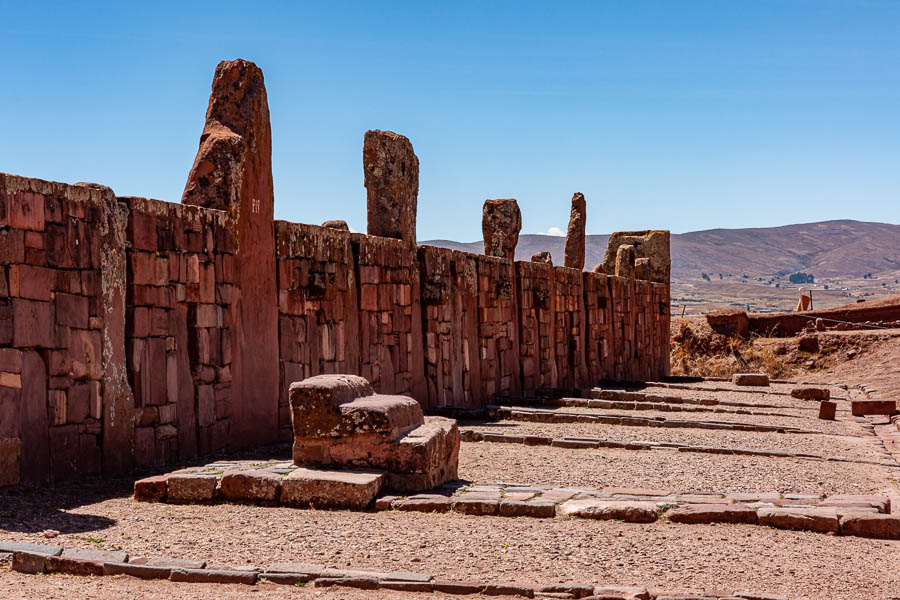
x=575, y=234
x=501, y=221
x=391, y=171
x=625, y=261
x=233, y=172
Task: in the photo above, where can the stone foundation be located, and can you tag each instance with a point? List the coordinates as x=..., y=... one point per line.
x=339, y=421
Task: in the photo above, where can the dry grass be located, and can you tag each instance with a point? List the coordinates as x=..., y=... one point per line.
x=698, y=351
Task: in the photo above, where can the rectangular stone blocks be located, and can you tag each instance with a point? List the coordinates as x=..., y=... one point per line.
x=338, y=421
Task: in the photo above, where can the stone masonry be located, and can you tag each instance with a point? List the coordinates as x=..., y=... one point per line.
x=136, y=332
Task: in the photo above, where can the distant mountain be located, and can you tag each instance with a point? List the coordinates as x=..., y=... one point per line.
x=829, y=249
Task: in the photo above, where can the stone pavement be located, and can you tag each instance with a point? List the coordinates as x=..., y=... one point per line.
x=46, y=559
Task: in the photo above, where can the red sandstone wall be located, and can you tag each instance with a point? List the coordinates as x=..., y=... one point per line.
x=599, y=357
x=498, y=332
x=101, y=296
x=390, y=319
x=449, y=293
x=53, y=315
x=317, y=305
x=537, y=326
x=179, y=329
x=569, y=329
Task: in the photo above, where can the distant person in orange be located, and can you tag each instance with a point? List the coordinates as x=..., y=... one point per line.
x=805, y=302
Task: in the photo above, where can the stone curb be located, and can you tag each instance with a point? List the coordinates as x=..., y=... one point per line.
x=40, y=555
x=856, y=515
x=538, y=415
x=582, y=443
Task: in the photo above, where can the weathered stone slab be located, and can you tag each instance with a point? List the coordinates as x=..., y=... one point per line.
x=213, y=576
x=822, y=520
x=590, y=508
x=423, y=503
x=134, y=570
x=827, y=410
x=712, y=513
x=612, y=592
x=331, y=489
x=881, y=503
x=647, y=244
x=880, y=406
x=250, y=486
x=191, y=488
x=151, y=489
x=863, y=524
x=811, y=393
x=750, y=379
x=625, y=261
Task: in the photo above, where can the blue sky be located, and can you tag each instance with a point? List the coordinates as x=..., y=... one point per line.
x=681, y=115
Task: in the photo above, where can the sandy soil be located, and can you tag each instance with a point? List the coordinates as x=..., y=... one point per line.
x=664, y=469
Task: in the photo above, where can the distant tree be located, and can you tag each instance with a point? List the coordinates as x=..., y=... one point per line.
x=705, y=276
x=801, y=278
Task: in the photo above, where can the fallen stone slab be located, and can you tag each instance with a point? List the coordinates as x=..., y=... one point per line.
x=164, y=561
x=880, y=406
x=881, y=503
x=139, y=571
x=821, y=520
x=575, y=590
x=750, y=379
x=44, y=549
x=590, y=508
x=811, y=393
x=191, y=488
x=476, y=506
x=537, y=509
x=250, y=486
x=311, y=569
x=613, y=592
x=869, y=525
x=747, y=595
x=827, y=410
x=358, y=582
x=285, y=578
x=508, y=589
x=151, y=489
x=712, y=513
x=213, y=576
x=77, y=561
x=331, y=489
x=29, y=562
x=407, y=586
x=423, y=503
x=458, y=587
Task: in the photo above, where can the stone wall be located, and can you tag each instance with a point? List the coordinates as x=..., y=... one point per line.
x=122, y=320
x=61, y=303
x=178, y=331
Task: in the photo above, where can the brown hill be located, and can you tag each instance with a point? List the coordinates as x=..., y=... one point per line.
x=828, y=250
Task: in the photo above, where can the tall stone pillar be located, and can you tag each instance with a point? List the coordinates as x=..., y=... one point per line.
x=501, y=222
x=233, y=172
x=575, y=234
x=391, y=170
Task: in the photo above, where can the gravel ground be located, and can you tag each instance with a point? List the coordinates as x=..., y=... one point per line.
x=800, y=443
x=663, y=469
x=662, y=555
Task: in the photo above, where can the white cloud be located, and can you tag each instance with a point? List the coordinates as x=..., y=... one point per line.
x=555, y=231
